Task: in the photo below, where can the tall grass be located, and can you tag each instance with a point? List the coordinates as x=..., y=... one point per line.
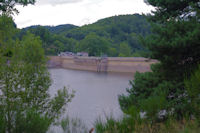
x=73, y=125
x=130, y=125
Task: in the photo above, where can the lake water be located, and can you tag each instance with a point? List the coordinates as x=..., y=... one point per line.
x=96, y=93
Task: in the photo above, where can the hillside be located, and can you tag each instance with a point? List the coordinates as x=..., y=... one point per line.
x=54, y=29
x=114, y=36
x=60, y=28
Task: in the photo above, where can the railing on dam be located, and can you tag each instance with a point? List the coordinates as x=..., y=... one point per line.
x=98, y=64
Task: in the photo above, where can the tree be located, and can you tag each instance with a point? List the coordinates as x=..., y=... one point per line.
x=94, y=45
x=193, y=89
x=124, y=50
x=181, y=9
x=112, y=52
x=8, y=6
x=175, y=43
x=7, y=31
x=25, y=102
x=114, y=30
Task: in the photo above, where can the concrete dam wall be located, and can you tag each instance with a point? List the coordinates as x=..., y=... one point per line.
x=98, y=64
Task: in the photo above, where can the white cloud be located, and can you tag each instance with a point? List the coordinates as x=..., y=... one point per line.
x=77, y=12
x=56, y=2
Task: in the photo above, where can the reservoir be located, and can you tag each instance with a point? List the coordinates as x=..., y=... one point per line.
x=96, y=94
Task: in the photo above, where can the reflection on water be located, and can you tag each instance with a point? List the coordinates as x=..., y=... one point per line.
x=96, y=93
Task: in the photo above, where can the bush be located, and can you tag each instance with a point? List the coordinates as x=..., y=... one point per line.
x=193, y=90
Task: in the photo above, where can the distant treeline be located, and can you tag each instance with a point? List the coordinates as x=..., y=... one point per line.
x=114, y=36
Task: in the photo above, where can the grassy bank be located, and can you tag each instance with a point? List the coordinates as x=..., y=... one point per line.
x=130, y=125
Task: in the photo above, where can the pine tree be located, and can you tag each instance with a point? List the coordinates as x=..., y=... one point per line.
x=175, y=43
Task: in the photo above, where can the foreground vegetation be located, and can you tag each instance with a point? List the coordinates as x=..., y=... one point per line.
x=168, y=97
x=25, y=102
x=132, y=125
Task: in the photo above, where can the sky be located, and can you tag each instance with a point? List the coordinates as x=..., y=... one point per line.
x=77, y=12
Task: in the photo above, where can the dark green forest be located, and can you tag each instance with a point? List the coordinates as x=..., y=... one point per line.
x=105, y=37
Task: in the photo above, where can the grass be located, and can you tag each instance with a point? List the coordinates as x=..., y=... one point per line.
x=73, y=125
x=129, y=125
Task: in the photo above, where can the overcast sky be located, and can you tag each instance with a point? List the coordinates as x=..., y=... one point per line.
x=77, y=12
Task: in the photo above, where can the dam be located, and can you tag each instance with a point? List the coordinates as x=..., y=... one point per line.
x=97, y=82
x=102, y=64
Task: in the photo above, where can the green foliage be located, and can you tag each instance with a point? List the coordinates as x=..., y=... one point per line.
x=94, y=45
x=176, y=45
x=73, y=125
x=112, y=52
x=7, y=31
x=8, y=6
x=174, y=42
x=142, y=86
x=32, y=122
x=167, y=9
x=25, y=102
x=124, y=50
x=31, y=43
x=111, y=125
x=51, y=42
x=149, y=93
x=131, y=125
x=193, y=89
x=60, y=28
x=114, y=31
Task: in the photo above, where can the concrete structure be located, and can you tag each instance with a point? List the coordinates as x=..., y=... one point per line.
x=98, y=64
x=85, y=54
x=66, y=54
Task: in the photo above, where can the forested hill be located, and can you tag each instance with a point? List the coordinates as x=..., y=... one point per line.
x=53, y=29
x=114, y=36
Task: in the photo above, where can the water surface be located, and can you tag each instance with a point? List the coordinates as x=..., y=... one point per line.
x=96, y=93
